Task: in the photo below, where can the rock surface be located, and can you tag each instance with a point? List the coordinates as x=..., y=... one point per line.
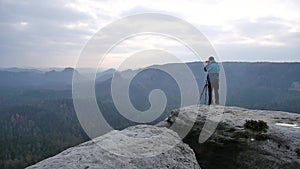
x=232, y=146
x=137, y=147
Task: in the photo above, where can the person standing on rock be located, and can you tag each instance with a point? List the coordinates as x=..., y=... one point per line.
x=212, y=68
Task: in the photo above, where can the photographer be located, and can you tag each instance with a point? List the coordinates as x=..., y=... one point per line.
x=212, y=68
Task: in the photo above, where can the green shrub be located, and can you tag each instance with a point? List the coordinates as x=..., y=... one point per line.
x=256, y=125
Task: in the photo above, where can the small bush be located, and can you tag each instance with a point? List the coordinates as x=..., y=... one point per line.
x=254, y=125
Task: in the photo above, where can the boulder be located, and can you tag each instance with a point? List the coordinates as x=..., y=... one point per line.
x=243, y=139
x=137, y=147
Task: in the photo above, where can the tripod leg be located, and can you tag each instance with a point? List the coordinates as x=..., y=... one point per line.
x=204, y=87
x=206, y=101
x=204, y=91
x=205, y=95
x=209, y=94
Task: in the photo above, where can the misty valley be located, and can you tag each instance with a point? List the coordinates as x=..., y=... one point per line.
x=38, y=120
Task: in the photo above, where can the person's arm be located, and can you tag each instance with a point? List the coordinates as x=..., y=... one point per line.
x=206, y=67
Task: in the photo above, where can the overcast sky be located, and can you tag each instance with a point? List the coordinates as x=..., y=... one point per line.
x=39, y=33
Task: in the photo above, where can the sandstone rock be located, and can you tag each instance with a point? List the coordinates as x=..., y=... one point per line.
x=231, y=146
x=137, y=147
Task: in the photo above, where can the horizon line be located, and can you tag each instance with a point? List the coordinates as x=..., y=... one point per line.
x=63, y=67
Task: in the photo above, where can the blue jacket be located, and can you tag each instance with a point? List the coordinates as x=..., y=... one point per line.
x=213, y=70
x=212, y=67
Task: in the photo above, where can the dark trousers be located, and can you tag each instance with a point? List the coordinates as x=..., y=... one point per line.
x=213, y=86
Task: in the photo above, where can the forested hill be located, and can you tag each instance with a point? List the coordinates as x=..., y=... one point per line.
x=270, y=86
x=262, y=85
x=37, y=117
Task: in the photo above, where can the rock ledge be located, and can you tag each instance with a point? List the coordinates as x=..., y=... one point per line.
x=136, y=147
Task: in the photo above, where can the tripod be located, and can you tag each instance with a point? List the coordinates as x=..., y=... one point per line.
x=204, y=91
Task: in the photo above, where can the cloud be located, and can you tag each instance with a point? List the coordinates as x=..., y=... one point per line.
x=52, y=33
x=260, y=27
x=33, y=31
x=52, y=11
x=265, y=31
x=253, y=53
